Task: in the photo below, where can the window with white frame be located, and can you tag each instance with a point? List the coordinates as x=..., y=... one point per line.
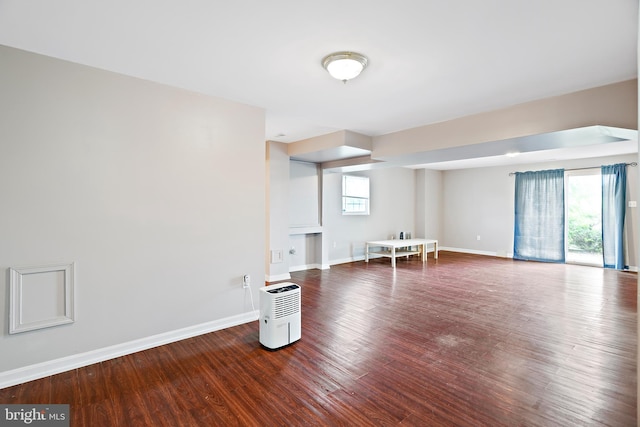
x=355, y=195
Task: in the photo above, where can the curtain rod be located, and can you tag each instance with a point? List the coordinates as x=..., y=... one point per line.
x=580, y=169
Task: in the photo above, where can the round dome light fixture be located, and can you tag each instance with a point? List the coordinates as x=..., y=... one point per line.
x=345, y=65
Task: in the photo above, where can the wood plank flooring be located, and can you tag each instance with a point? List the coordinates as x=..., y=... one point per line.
x=462, y=341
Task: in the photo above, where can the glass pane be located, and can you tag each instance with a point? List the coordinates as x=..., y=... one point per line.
x=355, y=195
x=584, y=219
x=354, y=205
x=355, y=186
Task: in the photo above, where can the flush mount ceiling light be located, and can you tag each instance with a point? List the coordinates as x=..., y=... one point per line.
x=345, y=65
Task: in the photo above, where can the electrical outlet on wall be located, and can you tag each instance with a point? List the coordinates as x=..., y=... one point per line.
x=246, y=281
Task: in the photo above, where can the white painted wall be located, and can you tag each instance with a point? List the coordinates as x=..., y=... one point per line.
x=392, y=204
x=305, y=216
x=137, y=183
x=304, y=194
x=480, y=202
x=306, y=250
x=429, y=205
x=277, y=210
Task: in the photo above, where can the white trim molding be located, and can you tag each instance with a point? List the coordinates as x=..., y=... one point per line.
x=307, y=267
x=52, y=367
x=371, y=256
x=41, y=297
x=277, y=277
x=473, y=251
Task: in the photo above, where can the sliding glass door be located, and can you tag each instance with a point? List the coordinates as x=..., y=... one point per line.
x=583, y=204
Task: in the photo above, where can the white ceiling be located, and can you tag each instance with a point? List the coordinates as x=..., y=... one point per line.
x=429, y=60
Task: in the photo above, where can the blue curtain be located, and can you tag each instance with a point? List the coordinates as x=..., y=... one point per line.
x=614, y=188
x=539, y=216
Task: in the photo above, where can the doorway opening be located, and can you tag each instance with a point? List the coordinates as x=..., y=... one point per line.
x=583, y=198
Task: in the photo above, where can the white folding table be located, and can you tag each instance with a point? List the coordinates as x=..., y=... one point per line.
x=400, y=248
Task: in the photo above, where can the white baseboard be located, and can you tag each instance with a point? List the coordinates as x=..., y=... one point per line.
x=52, y=367
x=631, y=268
x=306, y=267
x=475, y=252
x=361, y=258
x=277, y=277
x=348, y=260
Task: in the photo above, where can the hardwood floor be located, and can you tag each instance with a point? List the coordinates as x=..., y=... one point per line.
x=465, y=340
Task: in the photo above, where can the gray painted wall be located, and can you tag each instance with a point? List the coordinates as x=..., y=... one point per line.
x=392, y=205
x=304, y=194
x=480, y=202
x=429, y=209
x=277, y=211
x=454, y=207
x=138, y=184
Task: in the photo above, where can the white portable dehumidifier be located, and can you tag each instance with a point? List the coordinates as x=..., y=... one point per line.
x=280, y=322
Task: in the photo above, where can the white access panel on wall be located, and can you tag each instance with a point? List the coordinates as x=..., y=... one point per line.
x=280, y=315
x=40, y=297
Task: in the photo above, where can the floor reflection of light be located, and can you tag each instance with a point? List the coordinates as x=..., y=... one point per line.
x=358, y=313
x=393, y=281
x=585, y=287
x=585, y=366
